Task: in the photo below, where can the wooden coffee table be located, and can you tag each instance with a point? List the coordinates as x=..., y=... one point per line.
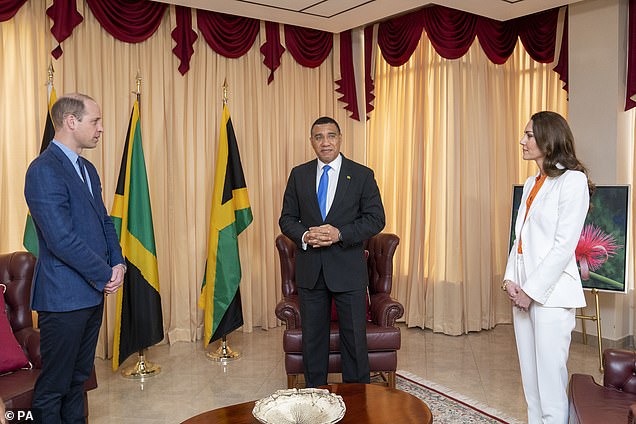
x=366, y=403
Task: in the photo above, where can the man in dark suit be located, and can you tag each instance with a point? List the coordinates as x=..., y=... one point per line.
x=79, y=261
x=330, y=207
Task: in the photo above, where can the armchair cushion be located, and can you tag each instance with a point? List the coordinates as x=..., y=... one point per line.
x=12, y=356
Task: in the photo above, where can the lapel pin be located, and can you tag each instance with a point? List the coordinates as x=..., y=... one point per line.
x=348, y=177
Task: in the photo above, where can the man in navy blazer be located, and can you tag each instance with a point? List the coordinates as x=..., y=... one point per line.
x=80, y=259
x=330, y=261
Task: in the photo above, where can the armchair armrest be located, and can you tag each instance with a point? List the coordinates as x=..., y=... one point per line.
x=385, y=310
x=620, y=370
x=288, y=311
x=29, y=339
x=631, y=416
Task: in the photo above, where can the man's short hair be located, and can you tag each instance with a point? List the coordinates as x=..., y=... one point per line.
x=69, y=104
x=324, y=120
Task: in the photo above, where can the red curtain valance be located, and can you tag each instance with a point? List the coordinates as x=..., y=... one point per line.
x=310, y=47
x=65, y=18
x=132, y=21
x=228, y=35
x=537, y=32
x=347, y=82
x=8, y=8
x=398, y=38
x=497, y=39
x=272, y=49
x=561, y=67
x=452, y=32
x=184, y=36
x=631, y=57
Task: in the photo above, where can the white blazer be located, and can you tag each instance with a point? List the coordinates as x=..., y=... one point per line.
x=549, y=235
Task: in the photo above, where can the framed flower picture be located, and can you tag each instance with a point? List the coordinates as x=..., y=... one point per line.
x=601, y=253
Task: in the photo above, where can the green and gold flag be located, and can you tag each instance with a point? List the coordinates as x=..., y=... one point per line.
x=139, y=322
x=30, y=238
x=229, y=216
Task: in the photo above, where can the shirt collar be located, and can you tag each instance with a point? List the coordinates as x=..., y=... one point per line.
x=334, y=164
x=72, y=155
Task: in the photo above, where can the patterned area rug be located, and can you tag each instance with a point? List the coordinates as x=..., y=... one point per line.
x=447, y=406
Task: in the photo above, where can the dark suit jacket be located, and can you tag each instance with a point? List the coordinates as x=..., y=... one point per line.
x=356, y=211
x=77, y=239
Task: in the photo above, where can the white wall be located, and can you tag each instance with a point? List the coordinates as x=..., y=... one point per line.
x=597, y=69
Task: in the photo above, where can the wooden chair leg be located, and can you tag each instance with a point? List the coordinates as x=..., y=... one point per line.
x=391, y=379
x=292, y=380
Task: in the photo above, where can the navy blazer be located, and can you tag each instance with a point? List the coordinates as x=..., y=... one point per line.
x=78, y=244
x=356, y=211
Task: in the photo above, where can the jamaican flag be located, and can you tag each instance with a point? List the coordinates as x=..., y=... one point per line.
x=30, y=238
x=230, y=214
x=139, y=322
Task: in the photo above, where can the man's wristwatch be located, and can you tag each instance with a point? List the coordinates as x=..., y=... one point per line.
x=339, y=236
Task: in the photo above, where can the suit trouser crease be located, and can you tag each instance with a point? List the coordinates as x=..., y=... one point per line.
x=315, y=310
x=68, y=342
x=543, y=336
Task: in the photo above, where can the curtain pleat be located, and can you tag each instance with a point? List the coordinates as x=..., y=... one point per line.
x=443, y=142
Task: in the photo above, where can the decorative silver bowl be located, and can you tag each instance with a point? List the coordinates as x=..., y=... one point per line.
x=300, y=406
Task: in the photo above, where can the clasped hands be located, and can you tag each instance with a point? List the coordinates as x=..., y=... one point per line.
x=322, y=236
x=116, y=280
x=517, y=296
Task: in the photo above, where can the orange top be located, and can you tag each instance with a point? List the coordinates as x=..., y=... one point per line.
x=533, y=193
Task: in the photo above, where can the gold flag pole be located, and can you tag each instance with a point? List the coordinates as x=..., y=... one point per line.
x=224, y=352
x=142, y=368
x=51, y=71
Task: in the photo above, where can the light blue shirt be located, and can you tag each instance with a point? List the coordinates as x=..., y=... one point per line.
x=72, y=156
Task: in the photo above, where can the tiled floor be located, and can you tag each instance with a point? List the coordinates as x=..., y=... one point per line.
x=482, y=366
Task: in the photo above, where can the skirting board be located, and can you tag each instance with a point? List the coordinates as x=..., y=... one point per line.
x=626, y=342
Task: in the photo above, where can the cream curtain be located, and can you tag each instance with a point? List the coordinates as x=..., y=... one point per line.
x=443, y=141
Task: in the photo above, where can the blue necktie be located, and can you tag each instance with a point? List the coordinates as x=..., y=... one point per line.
x=80, y=163
x=322, y=191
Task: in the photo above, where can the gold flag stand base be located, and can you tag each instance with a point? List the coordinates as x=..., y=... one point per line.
x=223, y=353
x=142, y=369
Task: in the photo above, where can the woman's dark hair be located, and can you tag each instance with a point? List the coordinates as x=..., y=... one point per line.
x=554, y=138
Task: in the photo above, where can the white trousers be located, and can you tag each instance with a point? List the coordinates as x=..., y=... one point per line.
x=543, y=342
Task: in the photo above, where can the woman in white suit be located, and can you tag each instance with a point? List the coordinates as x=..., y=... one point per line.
x=542, y=279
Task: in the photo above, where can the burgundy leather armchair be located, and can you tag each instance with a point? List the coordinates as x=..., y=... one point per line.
x=615, y=400
x=16, y=388
x=383, y=337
